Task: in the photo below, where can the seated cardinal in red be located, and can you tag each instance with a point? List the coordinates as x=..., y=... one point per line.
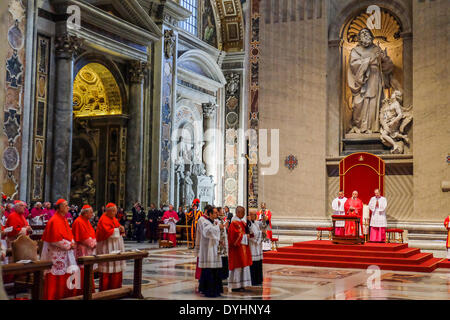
x=354, y=207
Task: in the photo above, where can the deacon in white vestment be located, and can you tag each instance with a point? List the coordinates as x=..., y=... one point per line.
x=209, y=258
x=223, y=244
x=255, y=242
x=378, y=222
x=338, y=209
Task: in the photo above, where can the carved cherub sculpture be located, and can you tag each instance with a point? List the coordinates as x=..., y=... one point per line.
x=394, y=119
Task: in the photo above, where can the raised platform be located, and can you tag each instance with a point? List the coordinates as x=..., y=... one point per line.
x=387, y=256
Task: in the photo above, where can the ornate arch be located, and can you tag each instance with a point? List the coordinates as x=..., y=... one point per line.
x=90, y=57
x=207, y=67
x=356, y=7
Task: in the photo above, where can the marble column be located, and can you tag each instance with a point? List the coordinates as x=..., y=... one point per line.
x=209, y=124
x=65, y=47
x=135, y=134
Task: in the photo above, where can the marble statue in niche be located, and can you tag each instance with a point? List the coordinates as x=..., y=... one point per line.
x=85, y=192
x=369, y=73
x=394, y=119
x=189, y=194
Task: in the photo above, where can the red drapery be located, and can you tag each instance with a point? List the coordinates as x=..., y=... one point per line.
x=363, y=172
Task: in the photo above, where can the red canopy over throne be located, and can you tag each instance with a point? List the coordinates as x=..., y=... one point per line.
x=363, y=172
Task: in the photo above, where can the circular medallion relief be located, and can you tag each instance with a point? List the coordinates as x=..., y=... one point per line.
x=164, y=175
x=10, y=158
x=230, y=185
x=15, y=37
x=232, y=119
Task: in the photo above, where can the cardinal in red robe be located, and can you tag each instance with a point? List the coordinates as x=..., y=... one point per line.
x=85, y=240
x=239, y=254
x=58, y=247
x=16, y=220
x=171, y=218
x=109, y=240
x=447, y=244
x=354, y=207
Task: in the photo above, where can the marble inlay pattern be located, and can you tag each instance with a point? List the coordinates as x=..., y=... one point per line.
x=170, y=40
x=232, y=109
x=169, y=274
x=13, y=104
x=253, y=96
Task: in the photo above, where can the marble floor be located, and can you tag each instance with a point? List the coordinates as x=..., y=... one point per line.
x=169, y=274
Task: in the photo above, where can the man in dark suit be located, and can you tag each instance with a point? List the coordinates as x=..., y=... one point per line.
x=228, y=214
x=153, y=216
x=139, y=222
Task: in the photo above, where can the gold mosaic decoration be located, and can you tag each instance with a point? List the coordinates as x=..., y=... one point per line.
x=95, y=92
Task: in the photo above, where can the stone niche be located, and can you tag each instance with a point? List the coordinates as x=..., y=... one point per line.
x=370, y=79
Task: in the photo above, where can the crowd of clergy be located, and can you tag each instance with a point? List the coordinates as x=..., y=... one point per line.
x=230, y=249
x=63, y=243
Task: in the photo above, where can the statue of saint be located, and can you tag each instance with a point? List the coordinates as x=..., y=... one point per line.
x=394, y=120
x=89, y=189
x=368, y=75
x=188, y=187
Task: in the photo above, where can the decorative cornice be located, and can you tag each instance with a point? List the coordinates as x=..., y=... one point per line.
x=168, y=12
x=142, y=30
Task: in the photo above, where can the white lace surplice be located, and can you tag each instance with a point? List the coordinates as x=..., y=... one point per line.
x=256, y=241
x=107, y=246
x=338, y=209
x=209, y=243
x=85, y=248
x=60, y=254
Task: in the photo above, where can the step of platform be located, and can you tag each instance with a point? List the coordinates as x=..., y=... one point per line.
x=324, y=253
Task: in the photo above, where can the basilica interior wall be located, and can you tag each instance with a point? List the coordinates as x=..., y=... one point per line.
x=3, y=31
x=292, y=80
x=431, y=47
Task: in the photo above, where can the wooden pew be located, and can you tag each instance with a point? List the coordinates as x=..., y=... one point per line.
x=88, y=263
x=35, y=267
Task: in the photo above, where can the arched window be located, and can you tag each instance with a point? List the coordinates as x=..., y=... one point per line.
x=191, y=24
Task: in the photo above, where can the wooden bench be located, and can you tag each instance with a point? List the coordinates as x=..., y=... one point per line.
x=88, y=263
x=37, y=268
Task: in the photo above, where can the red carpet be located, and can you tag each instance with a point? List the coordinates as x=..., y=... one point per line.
x=387, y=256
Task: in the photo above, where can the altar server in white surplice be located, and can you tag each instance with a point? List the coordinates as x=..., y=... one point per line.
x=209, y=259
x=378, y=222
x=338, y=209
x=255, y=242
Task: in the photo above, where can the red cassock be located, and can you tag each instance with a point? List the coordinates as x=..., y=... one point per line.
x=55, y=286
x=17, y=221
x=350, y=227
x=239, y=255
x=105, y=229
x=447, y=226
x=83, y=231
x=36, y=212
